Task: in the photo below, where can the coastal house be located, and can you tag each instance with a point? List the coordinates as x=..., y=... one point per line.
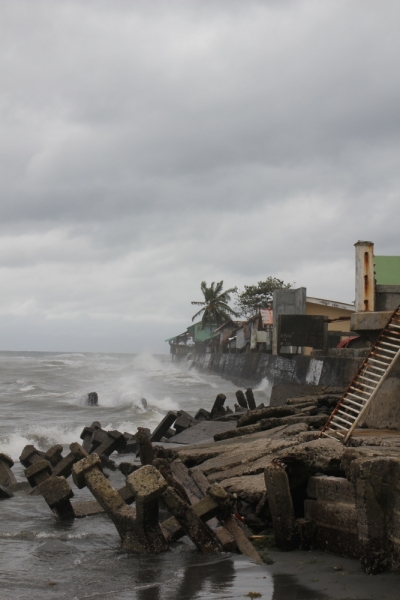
x=226, y=341
x=201, y=336
x=338, y=314
x=180, y=345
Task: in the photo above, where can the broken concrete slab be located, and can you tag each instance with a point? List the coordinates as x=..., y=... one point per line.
x=164, y=467
x=251, y=417
x=201, y=431
x=162, y=428
x=181, y=474
x=315, y=422
x=242, y=541
x=351, y=454
x=250, y=488
x=252, y=467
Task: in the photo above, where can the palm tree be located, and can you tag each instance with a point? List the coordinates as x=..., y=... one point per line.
x=215, y=309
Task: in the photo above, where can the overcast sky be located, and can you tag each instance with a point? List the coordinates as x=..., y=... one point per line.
x=147, y=145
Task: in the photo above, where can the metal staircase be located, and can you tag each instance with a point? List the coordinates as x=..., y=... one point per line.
x=367, y=382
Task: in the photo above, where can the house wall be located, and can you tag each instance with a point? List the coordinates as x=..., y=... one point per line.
x=384, y=411
x=332, y=313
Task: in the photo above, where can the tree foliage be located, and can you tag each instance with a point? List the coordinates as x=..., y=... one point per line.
x=215, y=310
x=253, y=297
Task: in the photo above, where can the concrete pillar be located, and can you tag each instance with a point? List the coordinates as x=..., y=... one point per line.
x=373, y=482
x=147, y=484
x=365, y=277
x=287, y=302
x=281, y=506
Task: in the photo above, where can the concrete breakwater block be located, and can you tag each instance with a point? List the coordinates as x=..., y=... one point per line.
x=92, y=399
x=201, y=432
x=5, y=492
x=163, y=427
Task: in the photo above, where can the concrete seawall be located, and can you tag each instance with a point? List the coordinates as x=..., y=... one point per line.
x=281, y=376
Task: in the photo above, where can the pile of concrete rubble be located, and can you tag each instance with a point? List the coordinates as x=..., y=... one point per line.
x=225, y=479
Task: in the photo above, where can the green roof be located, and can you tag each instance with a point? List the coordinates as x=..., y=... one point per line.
x=387, y=270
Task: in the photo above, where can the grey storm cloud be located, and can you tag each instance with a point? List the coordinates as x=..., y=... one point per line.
x=147, y=146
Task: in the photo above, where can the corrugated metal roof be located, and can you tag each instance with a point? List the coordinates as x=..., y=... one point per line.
x=235, y=323
x=332, y=303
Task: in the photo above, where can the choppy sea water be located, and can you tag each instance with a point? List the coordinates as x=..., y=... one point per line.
x=42, y=402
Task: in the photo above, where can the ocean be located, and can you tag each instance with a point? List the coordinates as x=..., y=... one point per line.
x=42, y=401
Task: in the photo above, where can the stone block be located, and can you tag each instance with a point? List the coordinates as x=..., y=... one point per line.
x=369, y=321
x=146, y=483
x=339, y=515
x=55, y=489
x=331, y=489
